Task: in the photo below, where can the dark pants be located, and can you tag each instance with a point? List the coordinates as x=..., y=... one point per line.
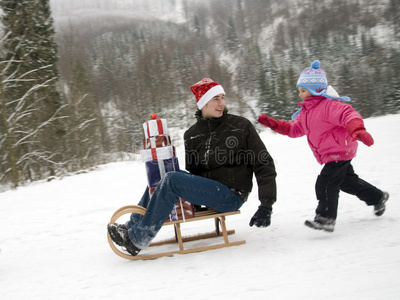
x=339, y=176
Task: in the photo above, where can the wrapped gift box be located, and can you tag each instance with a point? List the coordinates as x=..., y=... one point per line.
x=182, y=210
x=162, y=153
x=151, y=190
x=159, y=157
x=156, y=169
x=155, y=127
x=157, y=142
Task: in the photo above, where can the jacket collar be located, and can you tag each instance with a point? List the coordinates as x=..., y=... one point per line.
x=200, y=118
x=311, y=102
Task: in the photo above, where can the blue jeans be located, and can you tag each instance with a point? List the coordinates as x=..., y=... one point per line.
x=195, y=189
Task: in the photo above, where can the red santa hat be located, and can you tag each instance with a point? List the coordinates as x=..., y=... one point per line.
x=205, y=90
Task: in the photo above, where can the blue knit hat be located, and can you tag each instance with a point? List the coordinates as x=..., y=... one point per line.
x=313, y=79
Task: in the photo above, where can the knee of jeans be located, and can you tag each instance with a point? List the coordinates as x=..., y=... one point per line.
x=169, y=177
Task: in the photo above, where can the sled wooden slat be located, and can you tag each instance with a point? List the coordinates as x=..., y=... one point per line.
x=203, y=215
x=191, y=238
x=219, y=218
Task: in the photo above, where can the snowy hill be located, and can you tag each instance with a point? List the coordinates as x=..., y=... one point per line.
x=53, y=237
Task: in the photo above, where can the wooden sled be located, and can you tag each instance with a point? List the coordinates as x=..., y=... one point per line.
x=219, y=219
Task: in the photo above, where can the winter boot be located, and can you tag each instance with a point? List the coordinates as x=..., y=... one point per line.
x=321, y=223
x=379, y=208
x=119, y=235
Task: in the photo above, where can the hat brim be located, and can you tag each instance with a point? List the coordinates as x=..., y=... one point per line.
x=211, y=93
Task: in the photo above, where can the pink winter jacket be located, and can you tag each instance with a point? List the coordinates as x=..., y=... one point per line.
x=324, y=121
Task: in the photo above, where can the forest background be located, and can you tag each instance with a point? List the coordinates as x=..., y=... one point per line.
x=79, y=77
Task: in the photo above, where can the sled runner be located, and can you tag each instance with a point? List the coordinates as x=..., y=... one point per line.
x=220, y=231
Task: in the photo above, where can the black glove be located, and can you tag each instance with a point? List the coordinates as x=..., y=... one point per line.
x=262, y=217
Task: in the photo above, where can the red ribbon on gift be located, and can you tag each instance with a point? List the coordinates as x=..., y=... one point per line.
x=159, y=125
x=154, y=153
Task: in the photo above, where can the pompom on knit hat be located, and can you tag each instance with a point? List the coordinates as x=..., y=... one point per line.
x=205, y=90
x=314, y=80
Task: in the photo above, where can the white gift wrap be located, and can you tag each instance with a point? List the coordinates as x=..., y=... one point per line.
x=155, y=127
x=161, y=153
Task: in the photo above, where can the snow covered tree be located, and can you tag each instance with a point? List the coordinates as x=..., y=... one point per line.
x=31, y=105
x=85, y=131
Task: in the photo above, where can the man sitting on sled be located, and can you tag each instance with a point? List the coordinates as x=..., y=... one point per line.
x=222, y=151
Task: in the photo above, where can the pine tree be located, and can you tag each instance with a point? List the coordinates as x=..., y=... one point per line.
x=32, y=104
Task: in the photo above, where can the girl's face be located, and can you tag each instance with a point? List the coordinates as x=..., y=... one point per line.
x=303, y=93
x=214, y=108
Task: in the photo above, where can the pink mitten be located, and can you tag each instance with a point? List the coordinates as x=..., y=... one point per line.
x=357, y=131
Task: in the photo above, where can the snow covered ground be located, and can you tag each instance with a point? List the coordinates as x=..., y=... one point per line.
x=53, y=237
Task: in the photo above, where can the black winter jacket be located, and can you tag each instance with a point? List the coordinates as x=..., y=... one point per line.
x=229, y=150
